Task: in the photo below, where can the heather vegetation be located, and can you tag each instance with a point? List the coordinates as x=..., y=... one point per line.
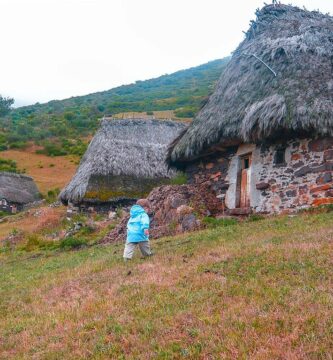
x=58, y=125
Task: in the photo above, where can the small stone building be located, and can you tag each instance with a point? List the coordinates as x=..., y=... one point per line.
x=16, y=192
x=264, y=140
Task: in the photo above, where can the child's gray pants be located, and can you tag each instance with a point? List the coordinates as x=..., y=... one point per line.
x=130, y=247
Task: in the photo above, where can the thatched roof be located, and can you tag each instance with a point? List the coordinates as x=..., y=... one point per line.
x=253, y=102
x=123, y=154
x=17, y=188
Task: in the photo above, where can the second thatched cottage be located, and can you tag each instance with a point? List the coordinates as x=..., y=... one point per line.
x=17, y=191
x=124, y=161
x=264, y=140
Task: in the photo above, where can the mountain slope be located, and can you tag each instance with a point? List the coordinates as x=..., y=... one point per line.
x=182, y=91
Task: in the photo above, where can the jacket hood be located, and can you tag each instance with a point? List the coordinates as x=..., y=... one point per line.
x=136, y=210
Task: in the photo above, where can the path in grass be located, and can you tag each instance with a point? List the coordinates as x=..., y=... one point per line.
x=257, y=290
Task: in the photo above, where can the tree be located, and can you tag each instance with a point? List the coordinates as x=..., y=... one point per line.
x=5, y=105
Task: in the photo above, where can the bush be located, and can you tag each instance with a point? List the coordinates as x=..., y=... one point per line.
x=52, y=195
x=179, y=179
x=72, y=243
x=9, y=165
x=185, y=112
x=33, y=242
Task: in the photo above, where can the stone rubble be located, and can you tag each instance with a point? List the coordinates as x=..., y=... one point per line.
x=174, y=209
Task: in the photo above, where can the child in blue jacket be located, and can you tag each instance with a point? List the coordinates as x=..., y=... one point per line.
x=138, y=230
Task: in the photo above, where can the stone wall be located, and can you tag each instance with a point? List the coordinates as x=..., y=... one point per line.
x=304, y=180
x=211, y=171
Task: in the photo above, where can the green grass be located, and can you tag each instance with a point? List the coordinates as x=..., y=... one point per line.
x=253, y=290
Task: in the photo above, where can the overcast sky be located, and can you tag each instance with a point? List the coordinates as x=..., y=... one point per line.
x=53, y=49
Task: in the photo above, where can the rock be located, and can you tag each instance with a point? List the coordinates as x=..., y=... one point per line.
x=324, y=178
x=321, y=144
x=303, y=171
x=189, y=222
x=262, y=186
x=112, y=215
x=209, y=166
x=291, y=193
x=172, y=208
x=184, y=210
x=328, y=155
x=298, y=164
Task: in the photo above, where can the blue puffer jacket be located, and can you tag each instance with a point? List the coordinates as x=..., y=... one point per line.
x=137, y=224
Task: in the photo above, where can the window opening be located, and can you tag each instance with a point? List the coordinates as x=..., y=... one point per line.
x=280, y=156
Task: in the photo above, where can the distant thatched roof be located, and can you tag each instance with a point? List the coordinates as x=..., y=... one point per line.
x=18, y=188
x=121, y=153
x=250, y=103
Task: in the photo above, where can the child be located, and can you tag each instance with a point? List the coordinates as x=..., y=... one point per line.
x=138, y=230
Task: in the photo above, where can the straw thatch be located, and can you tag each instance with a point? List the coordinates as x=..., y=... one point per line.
x=125, y=159
x=278, y=83
x=18, y=189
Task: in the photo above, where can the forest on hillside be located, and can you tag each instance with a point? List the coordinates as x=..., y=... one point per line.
x=60, y=125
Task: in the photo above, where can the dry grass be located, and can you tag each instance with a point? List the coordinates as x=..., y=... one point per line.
x=48, y=172
x=163, y=114
x=259, y=290
x=32, y=221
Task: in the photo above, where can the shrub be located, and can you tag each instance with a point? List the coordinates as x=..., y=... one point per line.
x=179, y=179
x=52, y=195
x=33, y=242
x=72, y=243
x=9, y=165
x=185, y=112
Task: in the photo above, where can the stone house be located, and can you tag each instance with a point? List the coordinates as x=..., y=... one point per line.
x=263, y=142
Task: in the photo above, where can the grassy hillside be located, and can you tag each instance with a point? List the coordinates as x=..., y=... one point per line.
x=255, y=290
x=67, y=120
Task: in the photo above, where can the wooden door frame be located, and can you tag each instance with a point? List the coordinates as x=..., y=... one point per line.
x=242, y=166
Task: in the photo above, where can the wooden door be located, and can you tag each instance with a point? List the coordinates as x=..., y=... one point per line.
x=245, y=182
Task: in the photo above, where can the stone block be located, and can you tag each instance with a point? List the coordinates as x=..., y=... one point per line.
x=296, y=156
x=328, y=154
x=216, y=175
x=329, y=193
x=321, y=144
x=324, y=178
x=322, y=201
x=321, y=188
x=291, y=193
x=303, y=171
x=209, y=166
x=224, y=186
x=303, y=189
x=189, y=222
x=184, y=210
x=298, y=164
x=262, y=186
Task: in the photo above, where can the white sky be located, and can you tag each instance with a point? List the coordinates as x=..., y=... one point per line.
x=53, y=49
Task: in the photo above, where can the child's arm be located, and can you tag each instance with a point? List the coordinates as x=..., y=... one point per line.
x=145, y=224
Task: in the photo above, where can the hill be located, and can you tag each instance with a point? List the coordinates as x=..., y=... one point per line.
x=246, y=291
x=66, y=121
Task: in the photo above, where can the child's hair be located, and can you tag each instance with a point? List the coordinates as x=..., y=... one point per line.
x=143, y=202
